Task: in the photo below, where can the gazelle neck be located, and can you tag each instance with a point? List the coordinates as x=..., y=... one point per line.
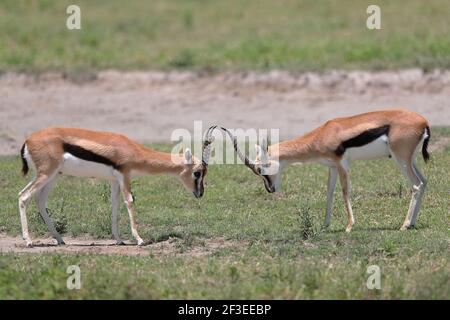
x=155, y=162
x=296, y=150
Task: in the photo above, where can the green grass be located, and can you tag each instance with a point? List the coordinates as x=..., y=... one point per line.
x=234, y=34
x=284, y=251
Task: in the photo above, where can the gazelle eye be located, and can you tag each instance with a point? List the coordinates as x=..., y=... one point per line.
x=197, y=174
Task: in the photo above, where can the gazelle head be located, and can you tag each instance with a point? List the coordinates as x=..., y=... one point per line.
x=192, y=174
x=265, y=167
x=195, y=171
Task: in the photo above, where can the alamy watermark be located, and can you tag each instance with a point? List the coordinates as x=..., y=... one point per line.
x=373, y=22
x=74, y=280
x=374, y=280
x=222, y=149
x=73, y=21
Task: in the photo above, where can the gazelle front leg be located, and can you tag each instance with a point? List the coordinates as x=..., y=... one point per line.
x=124, y=182
x=332, y=177
x=343, y=179
x=115, y=202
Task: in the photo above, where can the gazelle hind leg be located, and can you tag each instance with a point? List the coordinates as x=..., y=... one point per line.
x=404, y=144
x=332, y=177
x=422, y=186
x=24, y=196
x=41, y=199
x=406, y=166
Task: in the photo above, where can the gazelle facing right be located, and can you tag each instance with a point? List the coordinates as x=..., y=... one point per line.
x=397, y=133
x=56, y=151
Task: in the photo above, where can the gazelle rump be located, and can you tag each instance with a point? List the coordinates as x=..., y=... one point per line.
x=397, y=133
x=58, y=151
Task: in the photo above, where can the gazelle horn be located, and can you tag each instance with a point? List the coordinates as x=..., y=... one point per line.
x=249, y=163
x=207, y=145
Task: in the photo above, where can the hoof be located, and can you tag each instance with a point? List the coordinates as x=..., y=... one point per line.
x=61, y=243
x=120, y=243
x=140, y=242
x=29, y=244
x=348, y=229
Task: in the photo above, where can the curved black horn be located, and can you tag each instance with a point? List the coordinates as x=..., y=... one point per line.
x=249, y=163
x=207, y=145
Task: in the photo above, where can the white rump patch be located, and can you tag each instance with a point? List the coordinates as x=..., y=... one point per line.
x=27, y=157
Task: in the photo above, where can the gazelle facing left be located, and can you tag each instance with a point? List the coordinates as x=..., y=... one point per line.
x=84, y=153
x=396, y=133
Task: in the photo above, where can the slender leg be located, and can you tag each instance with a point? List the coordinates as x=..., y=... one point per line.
x=124, y=182
x=115, y=198
x=422, y=186
x=404, y=146
x=41, y=199
x=24, y=196
x=332, y=177
x=407, y=169
x=343, y=179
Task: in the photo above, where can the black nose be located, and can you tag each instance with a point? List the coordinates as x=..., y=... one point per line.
x=197, y=194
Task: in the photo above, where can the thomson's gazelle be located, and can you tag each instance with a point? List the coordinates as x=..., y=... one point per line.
x=397, y=133
x=71, y=151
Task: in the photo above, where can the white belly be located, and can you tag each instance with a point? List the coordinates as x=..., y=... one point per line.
x=74, y=166
x=376, y=149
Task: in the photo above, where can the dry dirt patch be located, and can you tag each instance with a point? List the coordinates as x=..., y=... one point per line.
x=100, y=246
x=148, y=106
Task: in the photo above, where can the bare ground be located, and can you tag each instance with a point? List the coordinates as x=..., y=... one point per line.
x=148, y=106
x=87, y=244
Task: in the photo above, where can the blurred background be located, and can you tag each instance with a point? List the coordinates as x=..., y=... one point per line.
x=223, y=35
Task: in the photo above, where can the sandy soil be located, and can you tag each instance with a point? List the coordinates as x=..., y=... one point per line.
x=87, y=244
x=148, y=106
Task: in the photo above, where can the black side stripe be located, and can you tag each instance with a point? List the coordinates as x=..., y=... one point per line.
x=87, y=155
x=362, y=139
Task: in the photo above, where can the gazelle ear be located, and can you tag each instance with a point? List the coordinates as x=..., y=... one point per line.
x=187, y=156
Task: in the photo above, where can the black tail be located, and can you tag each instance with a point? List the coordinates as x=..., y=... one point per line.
x=425, y=154
x=24, y=161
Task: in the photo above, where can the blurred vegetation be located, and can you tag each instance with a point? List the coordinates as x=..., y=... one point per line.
x=218, y=35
